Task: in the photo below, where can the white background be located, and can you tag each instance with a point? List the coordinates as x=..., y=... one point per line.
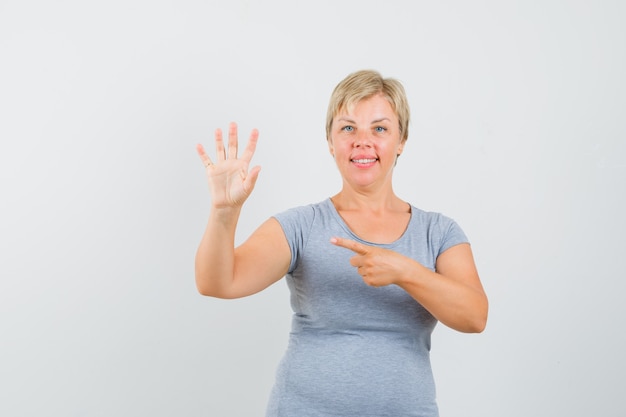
x=518, y=133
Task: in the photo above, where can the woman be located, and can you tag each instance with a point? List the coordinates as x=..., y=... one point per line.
x=369, y=274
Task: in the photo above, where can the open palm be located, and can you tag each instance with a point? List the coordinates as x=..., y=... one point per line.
x=230, y=179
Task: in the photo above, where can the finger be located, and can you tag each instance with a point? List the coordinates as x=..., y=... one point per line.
x=250, y=179
x=219, y=145
x=206, y=161
x=251, y=146
x=357, y=262
x=232, y=141
x=355, y=247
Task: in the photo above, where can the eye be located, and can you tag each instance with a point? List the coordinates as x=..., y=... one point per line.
x=380, y=129
x=348, y=129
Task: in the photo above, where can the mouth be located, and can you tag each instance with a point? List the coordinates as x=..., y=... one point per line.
x=364, y=160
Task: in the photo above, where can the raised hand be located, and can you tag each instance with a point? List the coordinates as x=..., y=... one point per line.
x=230, y=179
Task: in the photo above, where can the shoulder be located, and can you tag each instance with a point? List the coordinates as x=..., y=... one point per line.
x=430, y=218
x=299, y=224
x=305, y=213
x=441, y=230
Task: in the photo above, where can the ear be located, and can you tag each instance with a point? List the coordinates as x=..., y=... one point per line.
x=399, y=152
x=331, y=148
x=400, y=148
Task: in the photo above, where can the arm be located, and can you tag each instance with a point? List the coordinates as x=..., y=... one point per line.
x=226, y=272
x=221, y=270
x=453, y=294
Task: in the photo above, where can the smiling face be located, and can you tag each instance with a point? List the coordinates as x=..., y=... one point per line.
x=365, y=141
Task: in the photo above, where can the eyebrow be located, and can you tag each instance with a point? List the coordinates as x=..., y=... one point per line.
x=346, y=119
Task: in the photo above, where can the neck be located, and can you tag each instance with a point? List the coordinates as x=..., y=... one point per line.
x=382, y=201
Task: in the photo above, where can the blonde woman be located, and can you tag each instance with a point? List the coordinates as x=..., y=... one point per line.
x=370, y=275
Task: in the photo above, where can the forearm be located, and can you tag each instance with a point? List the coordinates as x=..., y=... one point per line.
x=214, y=264
x=457, y=305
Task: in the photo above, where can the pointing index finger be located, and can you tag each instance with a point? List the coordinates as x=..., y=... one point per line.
x=355, y=247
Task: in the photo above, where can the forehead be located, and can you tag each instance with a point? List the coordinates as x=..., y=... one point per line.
x=377, y=106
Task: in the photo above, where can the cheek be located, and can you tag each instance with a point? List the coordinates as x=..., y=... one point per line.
x=339, y=148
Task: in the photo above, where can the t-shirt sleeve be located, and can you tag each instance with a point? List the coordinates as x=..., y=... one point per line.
x=296, y=224
x=451, y=234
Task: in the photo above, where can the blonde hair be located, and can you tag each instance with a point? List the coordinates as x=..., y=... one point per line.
x=364, y=84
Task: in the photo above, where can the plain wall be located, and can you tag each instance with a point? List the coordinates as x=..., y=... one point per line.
x=518, y=133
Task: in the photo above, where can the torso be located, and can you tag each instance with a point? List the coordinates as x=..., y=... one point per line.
x=355, y=350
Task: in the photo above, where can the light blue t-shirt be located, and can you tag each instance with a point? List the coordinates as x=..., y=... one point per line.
x=355, y=350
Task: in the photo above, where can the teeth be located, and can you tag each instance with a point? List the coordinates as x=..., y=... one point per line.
x=364, y=161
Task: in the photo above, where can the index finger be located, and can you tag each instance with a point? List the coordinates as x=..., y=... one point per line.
x=354, y=246
x=251, y=146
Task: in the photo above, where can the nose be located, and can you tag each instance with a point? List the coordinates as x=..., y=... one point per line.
x=362, y=139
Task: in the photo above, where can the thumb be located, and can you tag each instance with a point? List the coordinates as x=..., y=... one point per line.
x=251, y=178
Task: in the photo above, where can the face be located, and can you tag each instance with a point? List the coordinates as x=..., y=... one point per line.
x=365, y=142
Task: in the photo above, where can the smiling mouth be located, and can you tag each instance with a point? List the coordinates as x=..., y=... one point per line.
x=364, y=161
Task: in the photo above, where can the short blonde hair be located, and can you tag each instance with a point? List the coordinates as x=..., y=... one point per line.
x=364, y=84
